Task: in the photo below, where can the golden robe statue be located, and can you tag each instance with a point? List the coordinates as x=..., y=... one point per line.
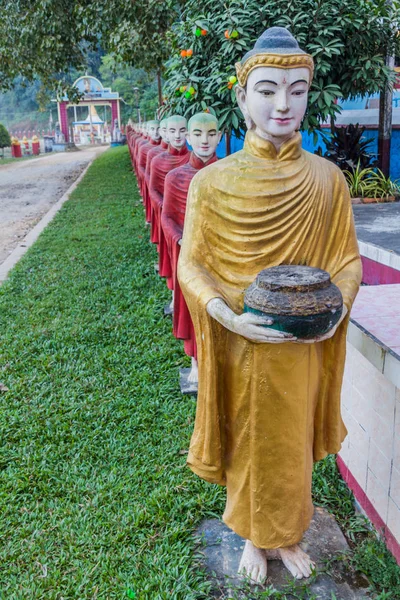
x=265, y=411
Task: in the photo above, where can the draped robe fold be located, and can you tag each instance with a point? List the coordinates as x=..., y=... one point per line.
x=134, y=141
x=172, y=221
x=265, y=412
x=142, y=159
x=146, y=196
x=143, y=140
x=131, y=137
x=161, y=165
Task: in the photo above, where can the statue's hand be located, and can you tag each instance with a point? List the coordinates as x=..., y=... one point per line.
x=326, y=336
x=251, y=327
x=247, y=325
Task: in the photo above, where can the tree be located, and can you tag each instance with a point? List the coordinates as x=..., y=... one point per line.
x=348, y=40
x=44, y=39
x=5, y=140
x=123, y=78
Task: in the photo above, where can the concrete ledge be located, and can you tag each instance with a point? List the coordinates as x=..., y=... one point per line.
x=380, y=356
x=379, y=255
x=33, y=235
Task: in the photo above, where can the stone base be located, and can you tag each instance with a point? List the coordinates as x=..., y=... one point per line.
x=222, y=550
x=168, y=311
x=187, y=387
x=60, y=147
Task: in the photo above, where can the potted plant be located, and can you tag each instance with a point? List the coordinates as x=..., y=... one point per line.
x=370, y=185
x=381, y=188
x=357, y=182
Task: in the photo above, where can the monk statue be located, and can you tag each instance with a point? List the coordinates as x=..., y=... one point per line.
x=176, y=155
x=154, y=139
x=116, y=134
x=203, y=135
x=142, y=140
x=268, y=404
x=152, y=153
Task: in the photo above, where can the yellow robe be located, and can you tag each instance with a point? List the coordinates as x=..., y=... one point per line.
x=265, y=412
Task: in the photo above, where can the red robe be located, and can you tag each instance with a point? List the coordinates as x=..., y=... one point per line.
x=160, y=166
x=172, y=220
x=132, y=138
x=141, y=141
x=146, y=197
x=141, y=162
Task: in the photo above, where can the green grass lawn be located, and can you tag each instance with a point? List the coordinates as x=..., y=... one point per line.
x=95, y=498
x=94, y=492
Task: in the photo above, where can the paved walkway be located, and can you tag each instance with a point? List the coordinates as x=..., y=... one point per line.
x=29, y=188
x=379, y=224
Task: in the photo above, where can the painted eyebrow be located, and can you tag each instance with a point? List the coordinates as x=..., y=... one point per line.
x=299, y=81
x=209, y=131
x=275, y=83
x=265, y=81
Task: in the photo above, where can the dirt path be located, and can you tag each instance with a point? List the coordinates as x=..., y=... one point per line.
x=29, y=188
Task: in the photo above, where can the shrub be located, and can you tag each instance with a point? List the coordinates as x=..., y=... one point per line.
x=5, y=140
x=347, y=148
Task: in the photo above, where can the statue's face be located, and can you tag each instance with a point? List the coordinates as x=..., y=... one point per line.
x=274, y=101
x=176, y=132
x=154, y=131
x=204, y=138
x=163, y=132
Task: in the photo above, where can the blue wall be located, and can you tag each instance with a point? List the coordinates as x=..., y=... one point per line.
x=359, y=102
x=308, y=144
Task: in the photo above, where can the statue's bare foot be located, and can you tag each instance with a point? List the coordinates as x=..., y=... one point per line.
x=253, y=563
x=193, y=376
x=296, y=561
x=171, y=306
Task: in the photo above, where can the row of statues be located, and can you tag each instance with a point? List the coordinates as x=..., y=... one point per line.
x=268, y=403
x=165, y=168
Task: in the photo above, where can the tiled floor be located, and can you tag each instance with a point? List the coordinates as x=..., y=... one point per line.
x=377, y=309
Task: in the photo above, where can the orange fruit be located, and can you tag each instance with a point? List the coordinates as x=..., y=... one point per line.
x=226, y=34
x=204, y=32
x=189, y=52
x=183, y=53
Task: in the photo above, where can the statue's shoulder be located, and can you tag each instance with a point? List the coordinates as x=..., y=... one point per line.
x=322, y=163
x=210, y=175
x=161, y=156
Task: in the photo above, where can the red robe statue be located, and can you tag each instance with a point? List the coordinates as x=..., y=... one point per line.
x=172, y=220
x=150, y=155
x=132, y=138
x=160, y=166
x=140, y=142
x=141, y=161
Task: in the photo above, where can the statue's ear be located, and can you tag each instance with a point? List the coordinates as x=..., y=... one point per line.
x=219, y=136
x=241, y=98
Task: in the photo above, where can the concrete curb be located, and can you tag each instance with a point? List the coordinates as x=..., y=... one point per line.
x=33, y=235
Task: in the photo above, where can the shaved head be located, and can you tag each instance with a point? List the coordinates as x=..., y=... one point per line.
x=203, y=119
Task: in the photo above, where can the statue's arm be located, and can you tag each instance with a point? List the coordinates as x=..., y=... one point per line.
x=172, y=229
x=171, y=226
x=155, y=196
